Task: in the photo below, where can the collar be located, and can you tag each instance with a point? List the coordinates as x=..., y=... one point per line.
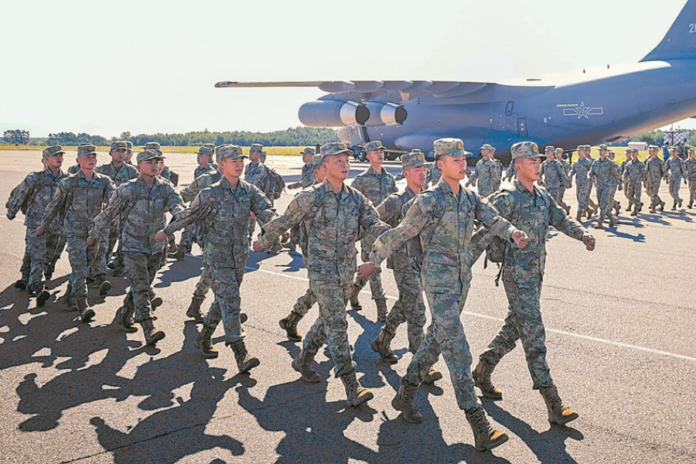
x=520, y=187
x=224, y=183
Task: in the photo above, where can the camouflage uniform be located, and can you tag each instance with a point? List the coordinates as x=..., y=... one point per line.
x=676, y=170
x=488, y=173
x=562, y=188
x=254, y=173
x=375, y=187
x=625, y=181
x=634, y=173
x=555, y=177
x=655, y=171
x=142, y=214
x=445, y=273
x=119, y=176
x=434, y=174
x=690, y=167
x=82, y=200
x=331, y=256
x=36, y=192
x=74, y=169
x=580, y=169
x=523, y=273
x=226, y=212
x=187, y=234
x=606, y=177
x=308, y=176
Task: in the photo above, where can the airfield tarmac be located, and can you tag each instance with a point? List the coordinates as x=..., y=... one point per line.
x=620, y=332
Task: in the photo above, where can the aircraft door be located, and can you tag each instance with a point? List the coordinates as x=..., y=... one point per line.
x=522, y=127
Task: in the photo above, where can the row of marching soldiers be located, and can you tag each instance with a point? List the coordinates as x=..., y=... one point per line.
x=427, y=236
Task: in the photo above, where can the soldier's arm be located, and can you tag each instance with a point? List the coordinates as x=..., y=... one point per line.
x=503, y=202
x=189, y=192
x=261, y=207
x=393, y=188
x=109, y=189
x=369, y=220
x=200, y=207
x=389, y=209
x=103, y=221
x=56, y=203
x=296, y=211
x=175, y=203
x=564, y=223
x=388, y=242
x=490, y=218
x=15, y=203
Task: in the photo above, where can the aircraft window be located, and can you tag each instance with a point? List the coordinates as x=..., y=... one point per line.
x=508, y=108
x=522, y=127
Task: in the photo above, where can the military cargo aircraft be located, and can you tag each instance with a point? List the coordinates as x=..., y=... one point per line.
x=588, y=107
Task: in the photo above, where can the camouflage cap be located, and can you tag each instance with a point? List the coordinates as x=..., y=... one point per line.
x=449, y=147
x=147, y=155
x=230, y=152
x=152, y=146
x=558, y=150
x=603, y=147
x=549, y=148
x=415, y=159
x=316, y=161
x=525, y=150
x=129, y=145
x=84, y=150
x=334, y=148
x=653, y=147
x=52, y=151
x=119, y=146
x=256, y=147
x=674, y=149
x=610, y=154
x=206, y=150
x=374, y=145
x=487, y=146
x=308, y=151
x=691, y=150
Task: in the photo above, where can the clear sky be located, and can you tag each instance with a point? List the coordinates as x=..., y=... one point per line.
x=151, y=66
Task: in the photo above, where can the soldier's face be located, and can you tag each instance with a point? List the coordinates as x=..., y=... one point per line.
x=674, y=154
x=203, y=160
x=691, y=155
x=549, y=155
x=254, y=156
x=602, y=154
x=452, y=167
x=160, y=166
x=652, y=152
x=486, y=153
x=307, y=158
x=54, y=161
x=232, y=167
x=559, y=156
x=416, y=176
x=320, y=173
x=119, y=155
x=528, y=168
x=149, y=167
x=87, y=162
x=337, y=166
x=375, y=156
x=129, y=155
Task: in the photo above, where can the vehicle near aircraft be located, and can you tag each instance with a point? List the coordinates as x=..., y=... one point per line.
x=588, y=107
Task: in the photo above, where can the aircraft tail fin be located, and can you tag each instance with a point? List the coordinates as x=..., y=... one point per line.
x=680, y=41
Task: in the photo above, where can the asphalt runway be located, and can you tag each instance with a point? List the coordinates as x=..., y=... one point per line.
x=620, y=331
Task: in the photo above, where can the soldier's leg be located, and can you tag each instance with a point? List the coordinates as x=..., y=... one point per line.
x=692, y=191
x=604, y=202
x=446, y=335
x=52, y=243
x=78, y=254
x=305, y=303
x=204, y=283
x=409, y=308
x=25, y=268
x=136, y=269
x=187, y=237
x=60, y=246
x=226, y=289
x=36, y=247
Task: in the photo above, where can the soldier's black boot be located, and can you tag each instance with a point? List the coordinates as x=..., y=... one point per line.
x=599, y=224
x=204, y=342
x=303, y=364
x=354, y=302
x=674, y=206
x=245, y=362
x=381, y=309
x=680, y=202
x=482, y=379
x=68, y=299
x=152, y=335
x=355, y=393
x=432, y=376
x=21, y=284
x=86, y=313
x=155, y=301
x=180, y=253
x=612, y=220
x=124, y=317
x=102, y=284
x=404, y=402
x=382, y=345
x=630, y=206
x=485, y=436
x=691, y=202
x=41, y=295
x=662, y=205
x=558, y=414
x=194, y=309
x=289, y=325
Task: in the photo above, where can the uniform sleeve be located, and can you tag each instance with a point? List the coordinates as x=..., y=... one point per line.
x=389, y=209
x=56, y=203
x=117, y=203
x=174, y=202
x=491, y=220
x=474, y=175
x=296, y=211
x=388, y=242
x=261, y=207
x=189, y=193
x=15, y=202
x=393, y=188
x=199, y=208
x=564, y=223
x=109, y=189
x=369, y=220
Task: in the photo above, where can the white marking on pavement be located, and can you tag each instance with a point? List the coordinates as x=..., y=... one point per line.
x=562, y=332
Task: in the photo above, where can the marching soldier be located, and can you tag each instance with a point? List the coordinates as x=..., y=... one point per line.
x=488, y=172
x=676, y=171
x=654, y=172
x=690, y=166
x=634, y=173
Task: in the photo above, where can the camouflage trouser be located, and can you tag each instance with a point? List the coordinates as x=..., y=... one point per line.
x=82, y=258
x=39, y=249
x=588, y=199
x=305, y=303
x=60, y=246
x=204, y=283
x=652, y=189
x=524, y=323
x=408, y=308
x=561, y=194
x=332, y=324
x=583, y=194
x=114, y=236
x=627, y=194
x=376, y=277
x=25, y=268
x=554, y=192
x=674, y=186
x=187, y=236
x=633, y=192
x=227, y=304
x=141, y=268
x=606, y=201
x=692, y=190
x=446, y=335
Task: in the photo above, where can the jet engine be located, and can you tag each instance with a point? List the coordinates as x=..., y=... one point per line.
x=385, y=114
x=333, y=113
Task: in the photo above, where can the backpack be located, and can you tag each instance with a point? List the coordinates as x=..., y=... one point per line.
x=40, y=176
x=272, y=184
x=418, y=245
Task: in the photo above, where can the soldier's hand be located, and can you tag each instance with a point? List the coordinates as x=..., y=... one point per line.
x=253, y=216
x=161, y=236
x=520, y=238
x=366, y=270
x=9, y=216
x=39, y=231
x=589, y=241
x=473, y=183
x=257, y=247
x=91, y=241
